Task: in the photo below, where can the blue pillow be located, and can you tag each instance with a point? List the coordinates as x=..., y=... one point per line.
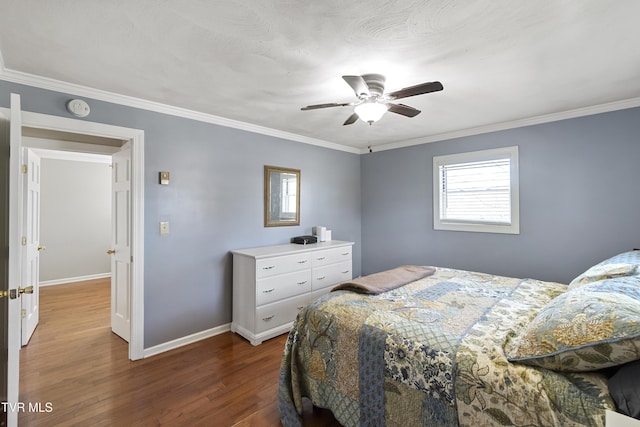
x=624, y=264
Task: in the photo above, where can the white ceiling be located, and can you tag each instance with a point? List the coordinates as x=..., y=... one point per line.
x=260, y=61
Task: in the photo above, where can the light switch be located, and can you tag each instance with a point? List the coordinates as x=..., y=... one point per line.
x=164, y=227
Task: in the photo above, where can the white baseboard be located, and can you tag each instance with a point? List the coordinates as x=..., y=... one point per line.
x=190, y=339
x=74, y=279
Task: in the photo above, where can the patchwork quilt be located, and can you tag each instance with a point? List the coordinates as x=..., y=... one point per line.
x=431, y=353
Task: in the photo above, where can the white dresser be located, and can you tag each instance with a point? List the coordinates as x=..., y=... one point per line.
x=272, y=283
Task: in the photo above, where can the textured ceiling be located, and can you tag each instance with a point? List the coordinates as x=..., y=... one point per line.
x=259, y=61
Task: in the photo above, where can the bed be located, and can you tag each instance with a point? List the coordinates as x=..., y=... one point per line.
x=460, y=348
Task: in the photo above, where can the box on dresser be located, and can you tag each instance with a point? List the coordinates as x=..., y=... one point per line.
x=272, y=283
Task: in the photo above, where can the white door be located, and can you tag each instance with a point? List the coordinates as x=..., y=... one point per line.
x=15, y=209
x=121, y=244
x=30, y=244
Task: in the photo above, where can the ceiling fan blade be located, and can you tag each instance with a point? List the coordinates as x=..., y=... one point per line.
x=332, y=104
x=416, y=90
x=404, y=110
x=351, y=120
x=358, y=85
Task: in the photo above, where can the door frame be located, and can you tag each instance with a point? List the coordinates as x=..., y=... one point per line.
x=136, y=138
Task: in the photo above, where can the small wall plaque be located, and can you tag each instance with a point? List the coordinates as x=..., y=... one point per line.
x=164, y=178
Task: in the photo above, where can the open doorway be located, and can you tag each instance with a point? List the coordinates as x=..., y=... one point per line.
x=77, y=216
x=71, y=135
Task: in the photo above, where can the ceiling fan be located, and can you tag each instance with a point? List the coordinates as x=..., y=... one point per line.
x=372, y=102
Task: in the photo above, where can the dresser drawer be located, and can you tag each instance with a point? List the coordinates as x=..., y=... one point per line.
x=284, y=264
x=330, y=275
x=273, y=315
x=331, y=256
x=275, y=288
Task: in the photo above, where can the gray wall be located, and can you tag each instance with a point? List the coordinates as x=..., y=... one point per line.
x=214, y=204
x=75, y=219
x=579, y=201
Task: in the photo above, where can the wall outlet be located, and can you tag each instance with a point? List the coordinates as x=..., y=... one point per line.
x=164, y=227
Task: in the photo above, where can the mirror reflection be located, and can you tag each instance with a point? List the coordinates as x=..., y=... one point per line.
x=281, y=196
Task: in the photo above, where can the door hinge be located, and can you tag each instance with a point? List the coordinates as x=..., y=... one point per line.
x=24, y=241
x=24, y=168
x=23, y=313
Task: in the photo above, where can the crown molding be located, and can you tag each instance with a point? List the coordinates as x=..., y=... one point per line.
x=129, y=101
x=546, y=118
x=101, y=95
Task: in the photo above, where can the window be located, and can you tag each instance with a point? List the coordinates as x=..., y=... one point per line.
x=477, y=191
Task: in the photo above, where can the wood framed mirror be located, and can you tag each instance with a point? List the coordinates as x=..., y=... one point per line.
x=281, y=196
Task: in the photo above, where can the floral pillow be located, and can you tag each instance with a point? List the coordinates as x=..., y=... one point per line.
x=587, y=328
x=624, y=264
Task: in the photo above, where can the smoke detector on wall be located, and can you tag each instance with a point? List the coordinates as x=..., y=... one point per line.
x=78, y=108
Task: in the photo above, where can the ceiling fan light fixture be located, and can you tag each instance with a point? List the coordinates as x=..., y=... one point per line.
x=372, y=102
x=370, y=112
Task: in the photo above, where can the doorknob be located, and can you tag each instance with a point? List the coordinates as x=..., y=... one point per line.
x=42, y=248
x=111, y=251
x=27, y=290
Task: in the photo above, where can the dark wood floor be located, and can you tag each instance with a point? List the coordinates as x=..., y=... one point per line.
x=77, y=372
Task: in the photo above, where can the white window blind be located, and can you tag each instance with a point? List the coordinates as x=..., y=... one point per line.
x=477, y=191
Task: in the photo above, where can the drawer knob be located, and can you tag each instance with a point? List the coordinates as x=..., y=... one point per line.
x=266, y=319
x=302, y=283
x=321, y=258
x=321, y=278
x=269, y=267
x=268, y=291
x=345, y=272
x=302, y=262
x=345, y=254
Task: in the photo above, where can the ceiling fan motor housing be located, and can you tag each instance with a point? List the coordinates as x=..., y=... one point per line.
x=375, y=82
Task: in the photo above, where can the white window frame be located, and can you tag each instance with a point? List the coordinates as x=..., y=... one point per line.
x=478, y=226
